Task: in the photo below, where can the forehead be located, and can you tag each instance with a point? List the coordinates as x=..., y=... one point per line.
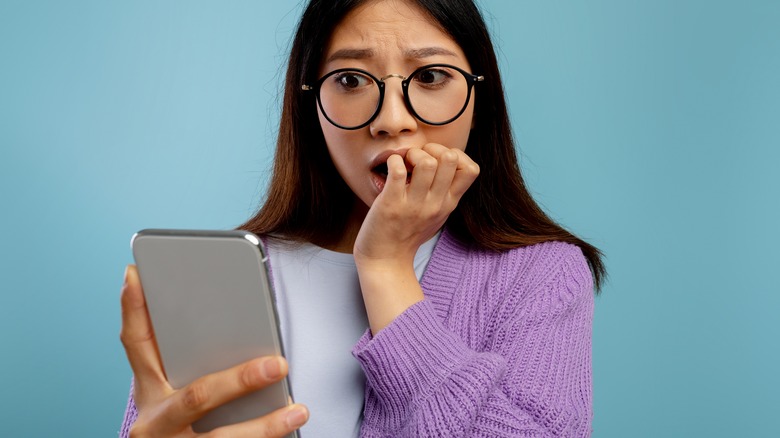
x=387, y=30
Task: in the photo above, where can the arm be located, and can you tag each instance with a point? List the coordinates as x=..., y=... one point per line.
x=532, y=378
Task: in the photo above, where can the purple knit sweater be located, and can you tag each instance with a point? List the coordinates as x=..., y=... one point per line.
x=499, y=347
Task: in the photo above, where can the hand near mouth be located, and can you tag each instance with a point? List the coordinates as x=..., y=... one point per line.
x=408, y=212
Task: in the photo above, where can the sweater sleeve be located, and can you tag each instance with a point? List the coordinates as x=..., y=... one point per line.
x=532, y=379
x=131, y=413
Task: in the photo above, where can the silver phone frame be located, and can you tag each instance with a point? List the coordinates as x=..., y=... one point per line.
x=209, y=420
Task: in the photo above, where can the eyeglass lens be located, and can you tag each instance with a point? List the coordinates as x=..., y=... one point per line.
x=436, y=94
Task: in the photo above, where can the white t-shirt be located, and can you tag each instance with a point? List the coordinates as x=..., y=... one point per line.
x=322, y=316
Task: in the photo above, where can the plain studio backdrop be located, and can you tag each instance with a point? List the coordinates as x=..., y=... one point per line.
x=650, y=128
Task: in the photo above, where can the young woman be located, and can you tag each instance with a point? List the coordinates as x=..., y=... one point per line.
x=401, y=233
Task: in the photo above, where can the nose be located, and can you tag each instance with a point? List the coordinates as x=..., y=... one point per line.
x=394, y=118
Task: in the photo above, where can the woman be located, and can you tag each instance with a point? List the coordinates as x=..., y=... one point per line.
x=395, y=158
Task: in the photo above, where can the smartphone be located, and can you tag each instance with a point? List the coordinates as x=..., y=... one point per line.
x=211, y=304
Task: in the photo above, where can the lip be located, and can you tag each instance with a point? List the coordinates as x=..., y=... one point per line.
x=384, y=155
x=379, y=179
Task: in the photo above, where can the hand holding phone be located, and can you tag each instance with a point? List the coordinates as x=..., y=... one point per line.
x=167, y=409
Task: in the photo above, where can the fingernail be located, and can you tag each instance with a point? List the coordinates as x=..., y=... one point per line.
x=297, y=416
x=128, y=272
x=272, y=368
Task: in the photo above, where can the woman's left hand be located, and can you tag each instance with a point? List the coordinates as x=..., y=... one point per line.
x=407, y=212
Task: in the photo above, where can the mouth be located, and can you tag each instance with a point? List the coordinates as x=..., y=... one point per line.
x=379, y=176
x=379, y=170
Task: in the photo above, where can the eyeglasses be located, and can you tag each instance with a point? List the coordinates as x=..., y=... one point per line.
x=436, y=94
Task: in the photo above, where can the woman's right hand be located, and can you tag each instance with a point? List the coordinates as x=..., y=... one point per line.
x=167, y=412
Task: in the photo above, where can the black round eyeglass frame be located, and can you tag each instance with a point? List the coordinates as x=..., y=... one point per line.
x=471, y=79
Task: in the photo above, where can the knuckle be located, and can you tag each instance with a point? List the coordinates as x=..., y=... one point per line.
x=128, y=338
x=123, y=338
x=415, y=150
x=450, y=156
x=195, y=396
x=429, y=163
x=427, y=147
x=250, y=375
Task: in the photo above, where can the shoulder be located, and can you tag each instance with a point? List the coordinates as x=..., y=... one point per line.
x=552, y=273
x=547, y=262
x=535, y=264
x=478, y=293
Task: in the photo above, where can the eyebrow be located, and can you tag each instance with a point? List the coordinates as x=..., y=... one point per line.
x=427, y=52
x=424, y=52
x=350, y=54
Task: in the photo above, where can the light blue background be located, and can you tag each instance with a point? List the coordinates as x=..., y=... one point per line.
x=651, y=128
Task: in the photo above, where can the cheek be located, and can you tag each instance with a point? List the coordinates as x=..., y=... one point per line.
x=326, y=127
x=332, y=138
x=460, y=130
x=338, y=142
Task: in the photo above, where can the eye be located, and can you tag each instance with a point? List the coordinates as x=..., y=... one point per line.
x=352, y=80
x=432, y=77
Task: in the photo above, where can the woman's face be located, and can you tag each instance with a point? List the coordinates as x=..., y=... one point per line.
x=388, y=37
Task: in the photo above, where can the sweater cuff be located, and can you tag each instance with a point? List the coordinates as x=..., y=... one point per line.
x=412, y=356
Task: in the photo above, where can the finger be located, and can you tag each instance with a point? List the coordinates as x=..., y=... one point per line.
x=465, y=174
x=435, y=149
x=276, y=424
x=423, y=172
x=395, y=184
x=137, y=334
x=445, y=172
x=206, y=393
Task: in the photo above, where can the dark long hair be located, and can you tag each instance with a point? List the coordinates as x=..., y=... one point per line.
x=308, y=200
